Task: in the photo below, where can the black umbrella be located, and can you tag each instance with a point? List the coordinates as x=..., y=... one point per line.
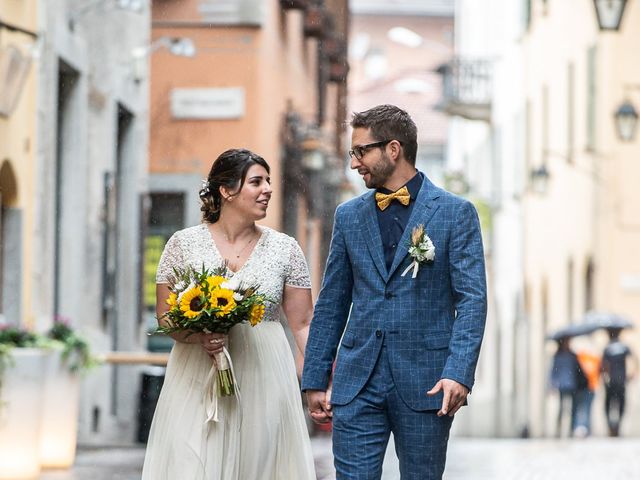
x=609, y=321
x=573, y=330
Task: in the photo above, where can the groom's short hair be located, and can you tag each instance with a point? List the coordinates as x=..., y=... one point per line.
x=388, y=122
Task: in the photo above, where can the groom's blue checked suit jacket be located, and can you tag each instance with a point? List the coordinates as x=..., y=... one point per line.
x=432, y=325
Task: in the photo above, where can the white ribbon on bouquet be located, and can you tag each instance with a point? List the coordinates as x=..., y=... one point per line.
x=211, y=388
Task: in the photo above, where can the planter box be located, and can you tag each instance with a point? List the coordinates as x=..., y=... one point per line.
x=20, y=414
x=59, y=415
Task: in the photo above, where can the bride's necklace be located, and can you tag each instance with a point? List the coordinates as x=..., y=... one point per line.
x=239, y=252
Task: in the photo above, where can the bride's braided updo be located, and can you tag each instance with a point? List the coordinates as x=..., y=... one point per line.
x=229, y=170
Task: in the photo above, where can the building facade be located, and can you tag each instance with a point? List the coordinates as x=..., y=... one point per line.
x=538, y=143
x=73, y=181
x=18, y=43
x=574, y=84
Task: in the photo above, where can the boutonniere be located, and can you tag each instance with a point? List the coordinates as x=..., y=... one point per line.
x=421, y=250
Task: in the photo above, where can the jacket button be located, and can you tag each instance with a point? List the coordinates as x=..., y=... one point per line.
x=378, y=333
x=388, y=295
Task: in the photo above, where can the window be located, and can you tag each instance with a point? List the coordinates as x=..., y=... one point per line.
x=589, y=286
x=570, y=111
x=545, y=124
x=591, y=98
x=527, y=140
x=166, y=216
x=526, y=13
x=570, y=290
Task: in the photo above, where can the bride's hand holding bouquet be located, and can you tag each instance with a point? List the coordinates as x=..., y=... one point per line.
x=208, y=303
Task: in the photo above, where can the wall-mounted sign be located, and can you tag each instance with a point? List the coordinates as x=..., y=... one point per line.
x=207, y=103
x=232, y=12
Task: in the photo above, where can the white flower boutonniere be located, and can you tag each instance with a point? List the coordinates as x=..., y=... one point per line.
x=421, y=250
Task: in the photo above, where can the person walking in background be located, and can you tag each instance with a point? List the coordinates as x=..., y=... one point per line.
x=615, y=375
x=568, y=379
x=590, y=366
x=406, y=268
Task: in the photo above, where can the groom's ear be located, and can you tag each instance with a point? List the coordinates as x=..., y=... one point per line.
x=395, y=150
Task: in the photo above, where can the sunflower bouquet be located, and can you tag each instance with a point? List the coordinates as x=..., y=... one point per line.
x=210, y=302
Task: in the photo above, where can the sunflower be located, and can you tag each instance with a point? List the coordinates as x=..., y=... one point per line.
x=172, y=301
x=215, y=282
x=192, y=302
x=222, y=300
x=256, y=314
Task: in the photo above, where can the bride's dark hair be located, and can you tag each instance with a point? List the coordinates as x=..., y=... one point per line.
x=229, y=170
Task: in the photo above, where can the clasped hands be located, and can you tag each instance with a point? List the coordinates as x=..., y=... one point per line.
x=455, y=394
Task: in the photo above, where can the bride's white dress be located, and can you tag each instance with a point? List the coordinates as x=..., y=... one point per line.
x=262, y=437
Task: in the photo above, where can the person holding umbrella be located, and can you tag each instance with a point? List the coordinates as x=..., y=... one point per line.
x=567, y=377
x=615, y=374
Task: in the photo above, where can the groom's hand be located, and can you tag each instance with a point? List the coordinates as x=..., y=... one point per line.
x=454, y=396
x=319, y=406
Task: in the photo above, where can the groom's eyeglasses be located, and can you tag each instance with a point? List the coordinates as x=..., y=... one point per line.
x=360, y=150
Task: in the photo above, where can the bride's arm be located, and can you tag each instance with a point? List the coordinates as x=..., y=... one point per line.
x=162, y=293
x=298, y=308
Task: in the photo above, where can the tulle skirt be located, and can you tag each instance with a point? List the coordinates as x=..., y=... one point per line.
x=261, y=437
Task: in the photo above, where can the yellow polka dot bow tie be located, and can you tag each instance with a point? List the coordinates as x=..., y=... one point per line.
x=384, y=200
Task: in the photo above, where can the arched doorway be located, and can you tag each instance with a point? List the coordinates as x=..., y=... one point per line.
x=10, y=232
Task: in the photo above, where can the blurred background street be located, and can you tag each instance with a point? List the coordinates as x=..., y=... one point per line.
x=477, y=459
x=112, y=111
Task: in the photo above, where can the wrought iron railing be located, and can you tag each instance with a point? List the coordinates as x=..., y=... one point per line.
x=467, y=87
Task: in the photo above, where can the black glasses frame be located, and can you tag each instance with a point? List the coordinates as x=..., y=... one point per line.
x=360, y=150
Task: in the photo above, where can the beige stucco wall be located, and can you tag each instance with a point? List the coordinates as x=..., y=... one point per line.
x=17, y=143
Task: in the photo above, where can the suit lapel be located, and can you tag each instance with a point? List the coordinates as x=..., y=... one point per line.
x=426, y=205
x=373, y=238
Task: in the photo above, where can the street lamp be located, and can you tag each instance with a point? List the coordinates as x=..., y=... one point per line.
x=540, y=179
x=626, y=121
x=178, y=46
x=609, y=13
x=313, y=158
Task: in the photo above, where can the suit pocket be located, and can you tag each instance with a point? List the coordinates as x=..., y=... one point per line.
x=437, y=341
x=348, y=340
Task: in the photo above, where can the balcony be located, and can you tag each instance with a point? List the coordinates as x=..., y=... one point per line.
x=467, y=88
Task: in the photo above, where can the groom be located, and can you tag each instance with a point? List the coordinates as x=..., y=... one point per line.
x=408, y=353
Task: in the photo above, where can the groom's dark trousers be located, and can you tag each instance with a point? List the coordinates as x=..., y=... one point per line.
x=361, y=432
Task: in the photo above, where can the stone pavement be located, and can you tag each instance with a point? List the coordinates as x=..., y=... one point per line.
x=468, y=459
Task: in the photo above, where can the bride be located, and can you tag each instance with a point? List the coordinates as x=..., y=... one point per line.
x=261, y=433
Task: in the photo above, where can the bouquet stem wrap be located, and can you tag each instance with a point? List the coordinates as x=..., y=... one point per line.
x=226, y=385
x=220, y=383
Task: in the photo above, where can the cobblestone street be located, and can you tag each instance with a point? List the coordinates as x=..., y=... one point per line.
x=468, y=459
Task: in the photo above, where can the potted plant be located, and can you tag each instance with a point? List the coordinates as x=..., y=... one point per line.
x=71, y=356
x=23, y=363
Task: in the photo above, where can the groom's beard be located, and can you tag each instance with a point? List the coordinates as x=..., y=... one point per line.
x=380, y=172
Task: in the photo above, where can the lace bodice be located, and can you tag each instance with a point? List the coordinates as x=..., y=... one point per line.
x=276, y=260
